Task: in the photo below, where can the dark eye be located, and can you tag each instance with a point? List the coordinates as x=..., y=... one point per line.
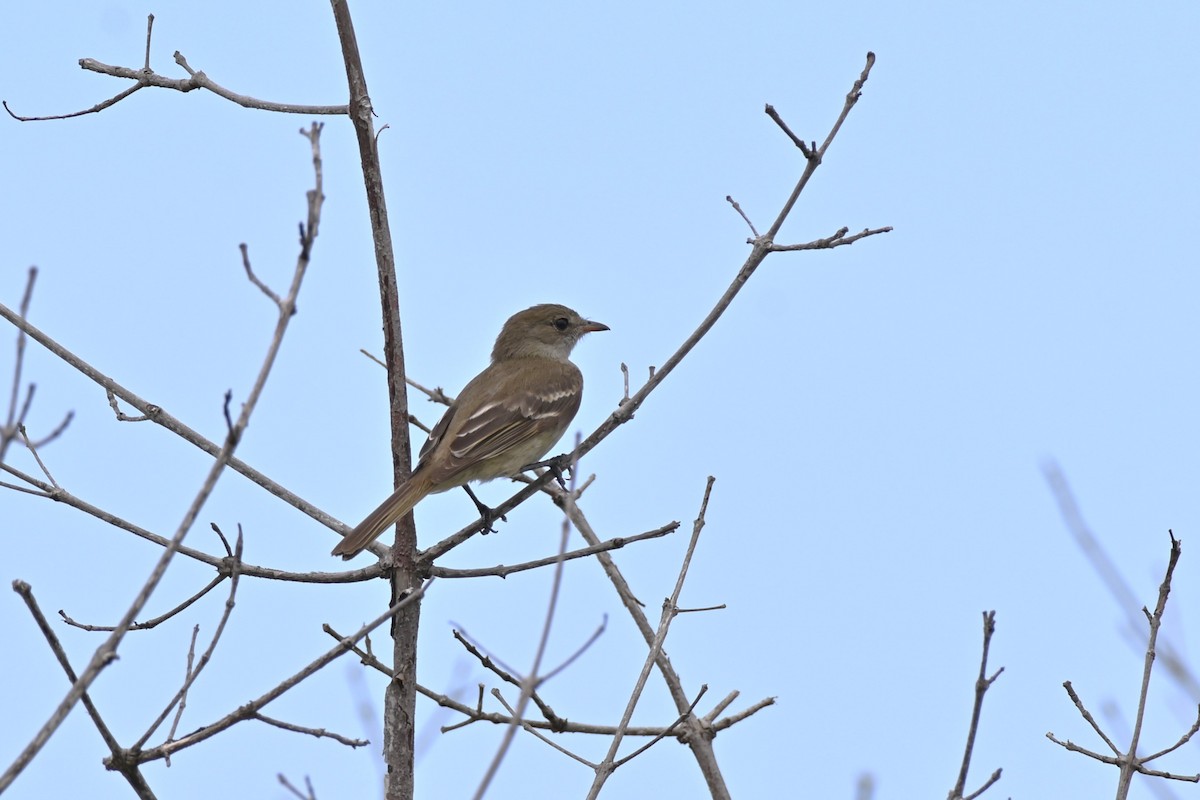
x=562, y=323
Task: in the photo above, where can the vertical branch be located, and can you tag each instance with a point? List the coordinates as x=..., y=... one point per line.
x=982, y=684
x=400, y=699
x=699, y=736
x=669, y=611
x=529, y=683
x=815, y=158
x=8, y=431
x=1130, y=764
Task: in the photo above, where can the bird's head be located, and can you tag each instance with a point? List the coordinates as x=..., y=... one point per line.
x=548, y=330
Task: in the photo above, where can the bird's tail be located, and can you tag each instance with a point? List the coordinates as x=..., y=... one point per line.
x=400, y=503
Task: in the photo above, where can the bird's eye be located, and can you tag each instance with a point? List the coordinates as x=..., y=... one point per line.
x=562, y=323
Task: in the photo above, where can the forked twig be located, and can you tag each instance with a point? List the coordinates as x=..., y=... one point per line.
x=693, y=726
x=1129, y=763
x=982, y=683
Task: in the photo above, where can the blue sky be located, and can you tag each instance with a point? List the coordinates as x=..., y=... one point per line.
x=876, y=416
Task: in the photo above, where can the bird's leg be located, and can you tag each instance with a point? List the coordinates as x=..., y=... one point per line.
x=556, y=465
x=488, y=515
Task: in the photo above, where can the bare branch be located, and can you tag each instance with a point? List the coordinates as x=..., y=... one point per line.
x=26, y=592
x=477, y=714
x=503, y=571
x=1187, y=736
x=14, y=420
x=579, y=651
x=761, y=247
x=694, y=728
x=36, y=457
x=98, y=107
x=149, y=33
x=250, y=710
x=245, y=250
x=159, y=415
x=1128, y=762
x=149, y=624
x=815, y=158
x=838, y=239
x=528, y=728
x=532, y=679
x=729, y=199
x=796, y=140
x=320, y=733
x=1168, y=656
x=187, y=674
x=205, y=657
x=505, y=673
x=668, y=731
x=106, y=652
x=146, y=77
x=162, y=417
x=220, y=563
x=58, y=429
x=982, y=684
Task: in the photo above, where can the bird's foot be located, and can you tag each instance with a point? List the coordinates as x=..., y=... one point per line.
x=556, y=466
x=487, y=515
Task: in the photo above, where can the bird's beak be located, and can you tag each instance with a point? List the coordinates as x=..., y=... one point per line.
x=591, y=327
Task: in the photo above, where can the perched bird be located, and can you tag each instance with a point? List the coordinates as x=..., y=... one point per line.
x=504, y=420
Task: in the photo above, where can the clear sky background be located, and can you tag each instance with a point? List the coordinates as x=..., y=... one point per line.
x=876, y=416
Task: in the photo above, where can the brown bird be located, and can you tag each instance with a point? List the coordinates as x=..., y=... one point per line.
x=502, y=422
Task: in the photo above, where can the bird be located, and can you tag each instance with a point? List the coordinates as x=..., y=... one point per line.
x=502, y=422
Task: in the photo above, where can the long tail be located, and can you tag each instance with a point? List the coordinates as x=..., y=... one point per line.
x=400, y=503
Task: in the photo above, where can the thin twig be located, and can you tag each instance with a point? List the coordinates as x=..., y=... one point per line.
x=579, y=651
x=503, y=571
x=487, y=660
x=33, y=450
x=26, y=592
x=838, y=239
x=761, y=248
x=319, y=733
x=187, y=674
x=796, y=140
x=251, y=709
x=982, y=684
x=692, y=725
x=1128, y=762
x=149, y=624
x=532, y=679
x=1126, y=599
x=129, y=771
x=107, y=651
x=14, y=420
x=1132, y=763
x=530, y=729
x=160, y=416
x=725, y=703
x=206, y=656
x=505, y=673
x=477, y=714
x=149, y=31
x=57, y=430
x=245, y=251
x=729, y=199
x=220, y=563
x=668, y=731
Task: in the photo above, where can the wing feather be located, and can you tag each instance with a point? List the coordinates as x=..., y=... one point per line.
x=515, y=417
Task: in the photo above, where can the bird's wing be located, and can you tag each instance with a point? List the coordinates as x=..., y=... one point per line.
x=436, y=434
x=512, y=419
